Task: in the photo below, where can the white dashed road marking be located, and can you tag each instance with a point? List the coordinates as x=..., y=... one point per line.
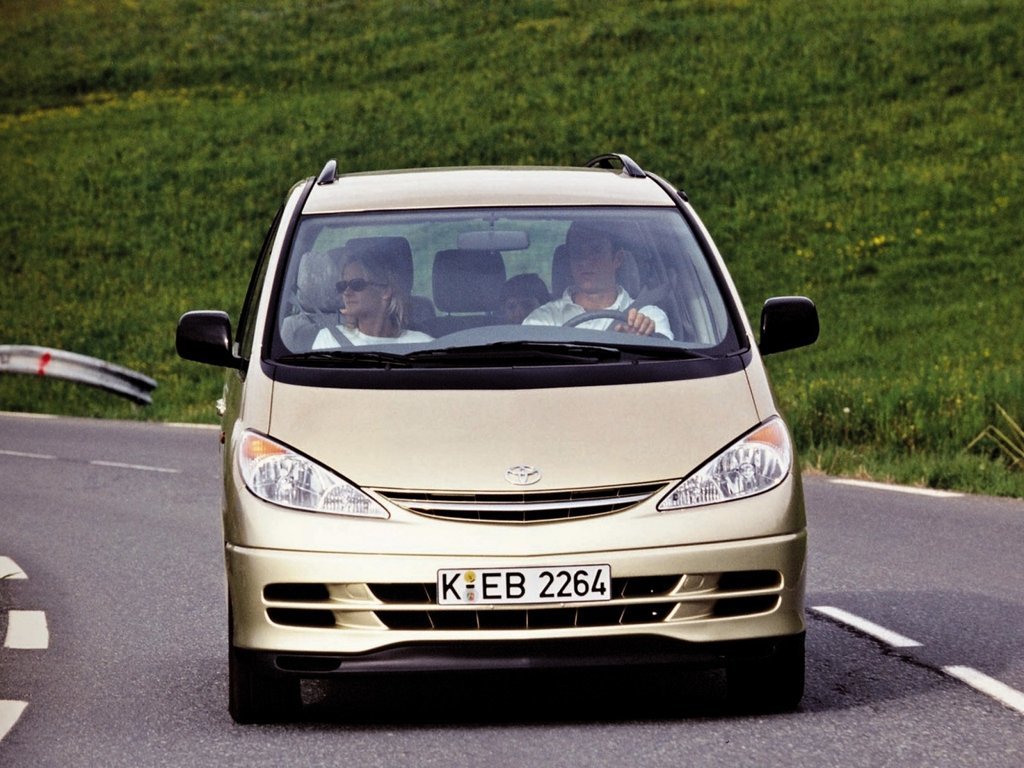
x=898, y=488
x=999, y=691
x=140, y=467
x=27, y=630
x=94, y=463
x=995, y=689
x=867, y=627
x=10, y=711
x=24, y=455
x=10, y=570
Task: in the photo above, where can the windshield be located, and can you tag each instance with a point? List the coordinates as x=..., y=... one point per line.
x=515, y=286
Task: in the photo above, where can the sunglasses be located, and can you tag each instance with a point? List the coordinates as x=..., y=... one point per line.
x=357, y=285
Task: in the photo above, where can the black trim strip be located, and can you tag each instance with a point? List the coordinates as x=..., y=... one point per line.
x=509, y=378
x=681, y=202
x=270, y=329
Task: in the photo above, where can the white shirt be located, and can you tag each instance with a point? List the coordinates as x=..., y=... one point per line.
x=326, y=340
x=557, y=312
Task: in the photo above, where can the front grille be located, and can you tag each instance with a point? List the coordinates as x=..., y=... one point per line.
x=523, y=507
x=635, y=601
x=533, y=618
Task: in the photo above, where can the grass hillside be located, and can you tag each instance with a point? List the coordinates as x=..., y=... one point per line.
x=866, y=153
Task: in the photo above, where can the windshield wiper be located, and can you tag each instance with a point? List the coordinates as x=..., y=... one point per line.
x=349, y=357
x=520, y=353
x=496, y=354
x=661, y=352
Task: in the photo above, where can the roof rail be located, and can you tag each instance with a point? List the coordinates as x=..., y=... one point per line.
x=329, y=174
x=629, y=166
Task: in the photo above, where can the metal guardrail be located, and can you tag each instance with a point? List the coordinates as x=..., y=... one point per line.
x=58, y=364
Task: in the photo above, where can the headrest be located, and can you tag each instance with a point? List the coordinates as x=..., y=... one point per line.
x=318, y=273
x=468, y=281
x=392, y=251
x=628, y=274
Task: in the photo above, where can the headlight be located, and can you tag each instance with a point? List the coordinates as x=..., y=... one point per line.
x=754, y=464
x=281, y=476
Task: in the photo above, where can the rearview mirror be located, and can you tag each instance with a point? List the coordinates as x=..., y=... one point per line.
x=494, y=240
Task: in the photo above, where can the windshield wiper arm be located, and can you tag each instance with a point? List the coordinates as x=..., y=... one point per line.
x=497, y=353
x=662, y=352
x=349, y=357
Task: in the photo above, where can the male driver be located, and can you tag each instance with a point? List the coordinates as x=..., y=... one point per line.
x=594, y=260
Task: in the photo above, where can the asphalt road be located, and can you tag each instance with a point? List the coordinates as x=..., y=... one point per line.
x=114, y=638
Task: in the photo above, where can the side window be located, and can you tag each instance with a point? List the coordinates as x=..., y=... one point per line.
x=247, y=321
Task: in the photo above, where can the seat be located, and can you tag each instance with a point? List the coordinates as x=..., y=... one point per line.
x=316, y=299
x=392, y=251
x=467, y=286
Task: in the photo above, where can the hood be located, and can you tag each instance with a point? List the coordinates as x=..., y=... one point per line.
x=465, y=440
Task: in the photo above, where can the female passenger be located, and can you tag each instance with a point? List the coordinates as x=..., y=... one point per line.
x=375, y=307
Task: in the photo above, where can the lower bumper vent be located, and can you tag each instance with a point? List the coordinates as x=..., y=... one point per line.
x=413, y=607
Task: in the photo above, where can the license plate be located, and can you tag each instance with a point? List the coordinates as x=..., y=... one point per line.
x=495, y=586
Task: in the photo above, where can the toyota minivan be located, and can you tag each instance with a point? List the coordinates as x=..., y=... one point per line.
x=503, y=418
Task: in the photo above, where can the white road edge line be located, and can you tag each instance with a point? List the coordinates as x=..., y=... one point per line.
x=876, y=631
x=979, y=681
x=1001, y=692
x=27, y=630
x=140, y=467
x=10, y=569
x=898, y=488
x=10, y=711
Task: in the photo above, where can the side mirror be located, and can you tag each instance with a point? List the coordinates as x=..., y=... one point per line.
x=788, y=322
x=205, y=337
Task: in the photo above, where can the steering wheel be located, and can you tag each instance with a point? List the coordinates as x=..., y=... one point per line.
x=600, y=314
x=605, y=314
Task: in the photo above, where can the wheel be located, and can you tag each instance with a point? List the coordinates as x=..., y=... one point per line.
x=604, y=314
x=254, y=697
x=259, y=698
x=773, y=682
x=600, y=314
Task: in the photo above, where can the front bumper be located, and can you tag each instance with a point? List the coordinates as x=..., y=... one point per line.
x=319, y=613
x=636, y=651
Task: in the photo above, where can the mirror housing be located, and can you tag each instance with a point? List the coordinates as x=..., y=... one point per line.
x=204, y=336
x=788, y=322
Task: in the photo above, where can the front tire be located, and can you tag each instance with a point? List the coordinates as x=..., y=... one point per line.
x=773, y=682
x=256, y=697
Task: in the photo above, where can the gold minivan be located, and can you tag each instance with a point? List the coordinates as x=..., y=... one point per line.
x=503, y=418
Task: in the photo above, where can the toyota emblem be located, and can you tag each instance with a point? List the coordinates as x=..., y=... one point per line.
x=522, y=474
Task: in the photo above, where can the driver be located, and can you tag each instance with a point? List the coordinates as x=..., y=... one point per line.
x=594, y=258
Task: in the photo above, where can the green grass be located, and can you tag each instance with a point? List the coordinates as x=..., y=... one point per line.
x=867, y=154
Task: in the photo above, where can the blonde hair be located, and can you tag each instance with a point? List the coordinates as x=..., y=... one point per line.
x=380, y=269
